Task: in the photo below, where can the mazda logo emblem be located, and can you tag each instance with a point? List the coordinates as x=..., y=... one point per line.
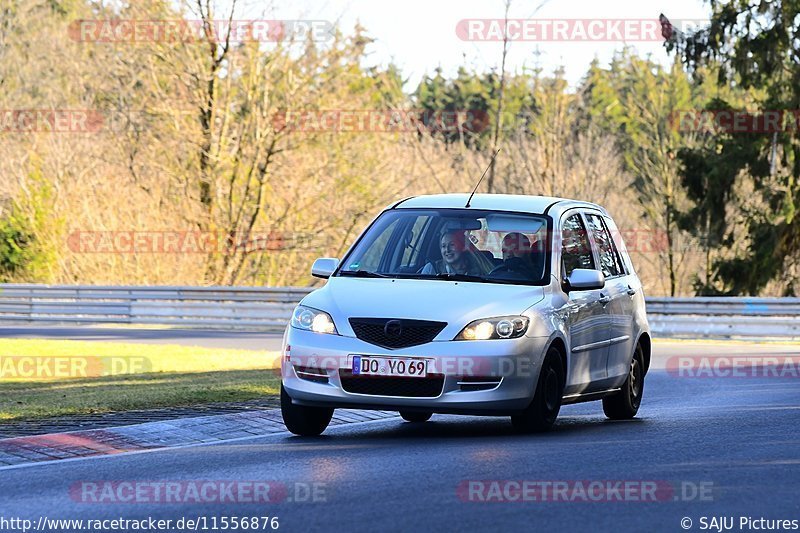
x=393, y=329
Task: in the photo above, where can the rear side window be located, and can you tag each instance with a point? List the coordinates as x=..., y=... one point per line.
x=576, y=252
x=610, y=263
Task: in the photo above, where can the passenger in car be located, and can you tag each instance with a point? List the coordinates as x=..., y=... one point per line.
x=519, y=255
x=457, y=257
x=515, y=245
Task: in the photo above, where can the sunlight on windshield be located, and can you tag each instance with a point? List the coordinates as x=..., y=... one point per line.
x=451, y=243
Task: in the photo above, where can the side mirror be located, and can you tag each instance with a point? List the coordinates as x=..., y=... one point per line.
x=324, y=267
x=584, y=279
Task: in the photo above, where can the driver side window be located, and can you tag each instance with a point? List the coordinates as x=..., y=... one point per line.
x=576, y=251
x=372, y=258
x=412, y=256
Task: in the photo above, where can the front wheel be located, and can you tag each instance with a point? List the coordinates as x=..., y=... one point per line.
x=415, y=416
x=303, y=420
x=625, y=404
x=543, y=410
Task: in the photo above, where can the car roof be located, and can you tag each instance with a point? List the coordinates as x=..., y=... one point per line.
x=499, y=202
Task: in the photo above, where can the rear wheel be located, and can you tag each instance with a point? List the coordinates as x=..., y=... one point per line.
x=543, y=410
x=303, y=420
x=625, y=403
x=414, y=416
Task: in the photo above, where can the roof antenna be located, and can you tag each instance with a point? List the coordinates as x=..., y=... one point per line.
x=482, y=176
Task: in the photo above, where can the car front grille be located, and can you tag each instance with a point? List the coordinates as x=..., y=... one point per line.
x=402, y=333
x=427, y=387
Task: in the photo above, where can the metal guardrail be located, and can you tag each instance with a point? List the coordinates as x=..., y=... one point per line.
x=724, y=317
x=187, y=306
x=270, y=308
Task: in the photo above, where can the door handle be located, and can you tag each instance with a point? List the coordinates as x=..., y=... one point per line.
x=631, y=291
x=604, y=299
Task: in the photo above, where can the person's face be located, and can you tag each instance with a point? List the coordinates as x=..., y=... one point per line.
x=515, y=245
x=452, y=247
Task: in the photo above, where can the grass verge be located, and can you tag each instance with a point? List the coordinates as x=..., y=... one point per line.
x=101, y=377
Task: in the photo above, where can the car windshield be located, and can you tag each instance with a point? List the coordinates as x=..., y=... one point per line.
x=453, y=244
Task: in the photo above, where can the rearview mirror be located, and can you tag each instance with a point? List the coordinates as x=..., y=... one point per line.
x=461, y=224
x=584, y=279
x=324, y=267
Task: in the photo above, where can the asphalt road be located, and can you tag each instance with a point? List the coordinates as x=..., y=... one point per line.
x=727, y=447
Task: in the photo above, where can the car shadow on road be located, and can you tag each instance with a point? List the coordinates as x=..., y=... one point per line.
x=446, y=428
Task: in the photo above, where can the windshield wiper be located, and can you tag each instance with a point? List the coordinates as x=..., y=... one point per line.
x=362, y=274
x=453, y=277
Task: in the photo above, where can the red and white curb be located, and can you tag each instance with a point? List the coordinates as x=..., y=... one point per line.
x=175, y=433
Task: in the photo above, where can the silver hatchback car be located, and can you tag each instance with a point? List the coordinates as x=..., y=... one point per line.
x=498, y=305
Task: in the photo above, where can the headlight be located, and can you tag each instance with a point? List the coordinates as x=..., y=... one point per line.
x=312, y=319
x=502, y=327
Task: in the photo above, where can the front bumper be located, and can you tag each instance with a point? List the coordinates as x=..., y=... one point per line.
x=512, y=364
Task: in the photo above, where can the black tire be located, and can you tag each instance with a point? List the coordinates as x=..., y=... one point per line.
x=543, y=410
x=415, y=416
x=302, y=420
x=625, y=404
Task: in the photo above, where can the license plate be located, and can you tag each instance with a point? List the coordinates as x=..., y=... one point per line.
x=405, y=367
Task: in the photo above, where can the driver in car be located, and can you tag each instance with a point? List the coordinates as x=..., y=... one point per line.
x=456, y=258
